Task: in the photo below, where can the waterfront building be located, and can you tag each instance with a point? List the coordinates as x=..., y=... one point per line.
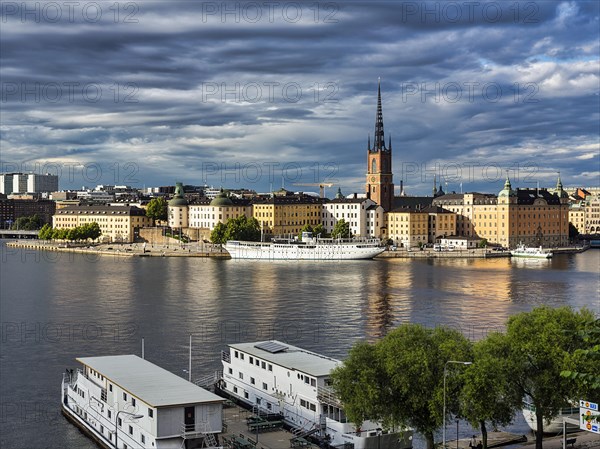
x=353, y=211
x=287, y=214
x=178, y=209
x=441, y=223
x=532, y=216
x=455, y=242
x=12, y=209
x=407, y=227
x=126, y=402
x=117, y=223
x=380, y=186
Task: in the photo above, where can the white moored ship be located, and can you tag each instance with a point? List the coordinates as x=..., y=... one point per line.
x=276, y=378
x=553, y=426
x=310, y=248
x=127, y=402
x=525, y=251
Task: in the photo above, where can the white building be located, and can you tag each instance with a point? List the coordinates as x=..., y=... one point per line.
x=275, y=377
x=460, y=242
x=352, y=211
x=127, y=402
x=27, y=183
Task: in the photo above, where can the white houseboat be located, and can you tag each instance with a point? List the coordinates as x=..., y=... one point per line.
x=309, y=248
x=127, y=402
x=274, y=377
x=532, y=252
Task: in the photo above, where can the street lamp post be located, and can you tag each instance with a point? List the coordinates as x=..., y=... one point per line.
x=444, y=412
x=133, y=415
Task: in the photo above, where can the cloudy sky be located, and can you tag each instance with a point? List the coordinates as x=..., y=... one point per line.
x=256, y=94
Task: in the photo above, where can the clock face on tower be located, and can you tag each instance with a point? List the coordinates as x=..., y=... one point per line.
x=372, y=178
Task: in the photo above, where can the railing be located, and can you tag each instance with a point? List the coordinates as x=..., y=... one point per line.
x=328, y=396
x=226, y=356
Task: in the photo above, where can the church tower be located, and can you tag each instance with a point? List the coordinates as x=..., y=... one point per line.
x=380, y=187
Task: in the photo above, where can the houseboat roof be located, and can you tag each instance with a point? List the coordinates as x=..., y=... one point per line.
x=150, y=383
x=290, y=357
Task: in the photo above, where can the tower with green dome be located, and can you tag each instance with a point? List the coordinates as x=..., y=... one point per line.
x=178, y=209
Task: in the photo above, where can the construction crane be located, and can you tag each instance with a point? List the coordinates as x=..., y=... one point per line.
x=321, y=186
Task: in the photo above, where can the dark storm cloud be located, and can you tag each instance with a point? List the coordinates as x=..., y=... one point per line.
x=175, y=86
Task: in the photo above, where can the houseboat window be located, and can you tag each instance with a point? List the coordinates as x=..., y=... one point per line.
x=302, y=403
x=246, y=395
x=120, y=422
x=130, y=430
x=252, y=380
x=251, y=360
x=235, y=389
x=268, y=406
x=313, y=382
x=133, y=401
x=109, y=414
x=102, y=430
x=235, y=353
x=242, y=355
x=230, y=370
x=313, y=407
x=263, y=365
x=150, y=413
x=257, y=362
x=306, y=379
x=241, y=375
x=109, y=387
x=265, y=386
x=142, y=438
x=270, y=367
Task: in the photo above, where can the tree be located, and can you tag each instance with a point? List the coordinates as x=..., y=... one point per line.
x=91, y=230
x=541, y=344
x=487, y=394
x=319, y=230
x=585, y=363
x=157, y=209
x=217, y=235
x=27, y=223
x=341, y=230
x=46, y=232
x=399, y=380
x=573, y=232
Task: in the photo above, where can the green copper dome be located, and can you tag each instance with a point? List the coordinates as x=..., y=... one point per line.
x=507, y=190
x=221, y=200
x=178, y=199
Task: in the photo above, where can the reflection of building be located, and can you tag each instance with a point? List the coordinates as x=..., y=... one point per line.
x=532, y=216
x=118, y=223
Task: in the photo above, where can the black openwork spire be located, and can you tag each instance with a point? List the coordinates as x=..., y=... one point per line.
x=379, y=141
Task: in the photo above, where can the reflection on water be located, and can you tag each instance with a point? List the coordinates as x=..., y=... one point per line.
x=106, y=305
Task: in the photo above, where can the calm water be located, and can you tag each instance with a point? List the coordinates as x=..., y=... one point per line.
x=56, y=307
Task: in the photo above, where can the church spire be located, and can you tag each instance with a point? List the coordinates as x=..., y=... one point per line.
x=369, y=142
x=379, y=141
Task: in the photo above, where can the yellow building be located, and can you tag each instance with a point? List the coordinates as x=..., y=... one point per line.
x=531, y=216
x=407, y=228
x=441, y=223
x=117, y=223
x=283, y=215
x=577, y=216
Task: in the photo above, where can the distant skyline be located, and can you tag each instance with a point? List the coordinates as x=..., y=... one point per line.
x=265, y=94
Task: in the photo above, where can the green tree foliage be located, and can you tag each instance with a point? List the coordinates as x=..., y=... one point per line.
x=542, y=344
x=319, y=230
x=488, y=396
x=87, y=231
x=239, y=228
x=399, y=380
x=341, y=230
x=573, y=232
x=157, y=209
x=584, y=364
x=217, y=235
x=46, y=232
x=27, y=223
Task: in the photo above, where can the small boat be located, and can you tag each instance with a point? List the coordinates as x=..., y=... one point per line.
x=308, y=248
x=527, y=251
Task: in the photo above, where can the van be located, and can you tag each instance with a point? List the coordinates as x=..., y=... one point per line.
x=451, y=247
x=437, y=247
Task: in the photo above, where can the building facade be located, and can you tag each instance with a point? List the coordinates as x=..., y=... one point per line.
x=27, y=183
x=118, y=224
x=287, y=215
x=352, y=210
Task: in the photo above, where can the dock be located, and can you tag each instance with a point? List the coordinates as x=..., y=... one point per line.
x=236, y=430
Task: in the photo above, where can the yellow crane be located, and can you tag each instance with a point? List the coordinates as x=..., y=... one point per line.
x=321, y=186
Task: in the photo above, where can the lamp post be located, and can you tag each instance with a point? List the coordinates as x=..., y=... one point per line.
x=444, y=412
x=133, y=415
